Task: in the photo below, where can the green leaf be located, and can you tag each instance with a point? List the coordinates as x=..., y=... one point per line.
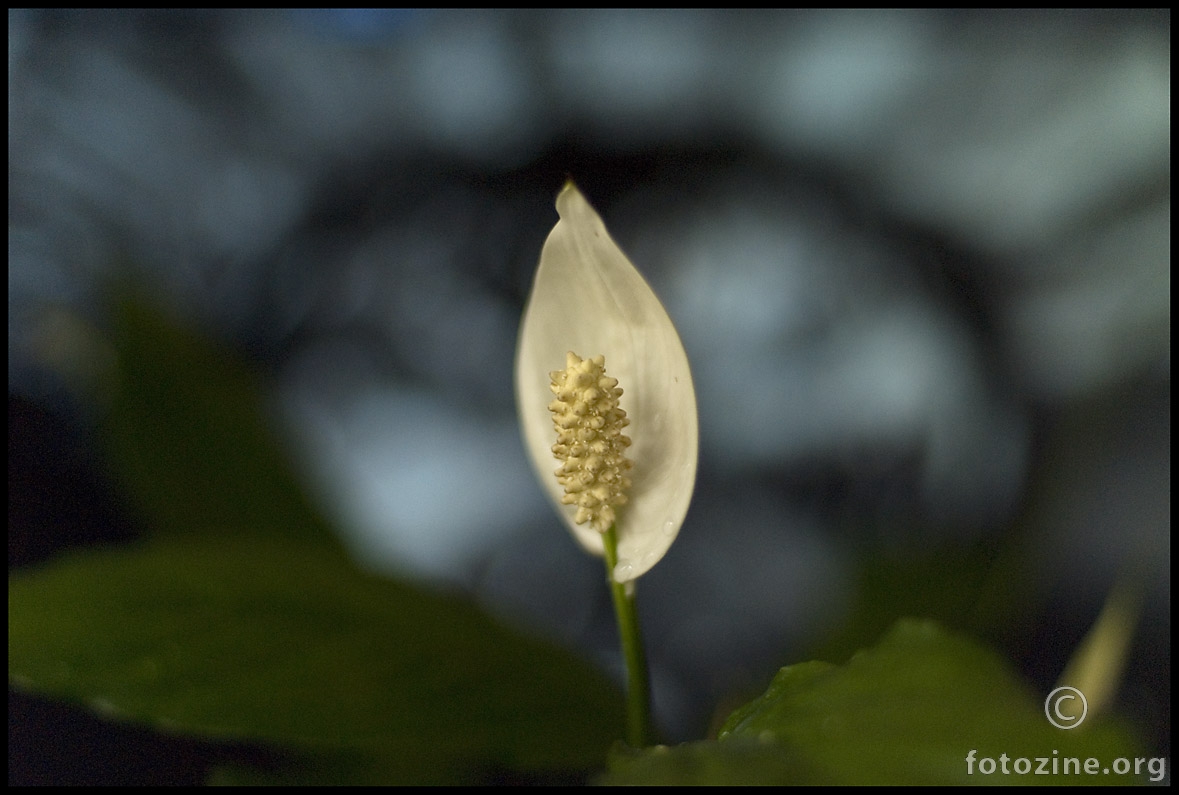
x=250, y=638
x=186, y=435
x=907, y=712
x=738, y=761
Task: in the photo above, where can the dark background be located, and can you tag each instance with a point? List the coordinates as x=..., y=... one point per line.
x=920, y=263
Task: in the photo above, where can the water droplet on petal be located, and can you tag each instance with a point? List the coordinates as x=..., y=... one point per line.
x=623, y=571
x=669, y=528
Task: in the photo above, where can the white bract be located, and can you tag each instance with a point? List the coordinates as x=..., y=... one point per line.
x=589, y=300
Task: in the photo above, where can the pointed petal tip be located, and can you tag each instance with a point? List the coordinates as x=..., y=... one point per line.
x=567, y=190
x=571, y=200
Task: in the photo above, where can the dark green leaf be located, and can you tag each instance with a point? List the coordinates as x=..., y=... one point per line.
x=738, y=761
x=283, y=642
x=908, y=711
x=186, y=435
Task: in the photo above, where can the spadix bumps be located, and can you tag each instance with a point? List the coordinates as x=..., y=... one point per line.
x=590, y=444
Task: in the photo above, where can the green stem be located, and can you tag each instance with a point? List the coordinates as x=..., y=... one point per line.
x=638, y=695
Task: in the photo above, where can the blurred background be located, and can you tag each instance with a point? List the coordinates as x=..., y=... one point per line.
x=920, y=263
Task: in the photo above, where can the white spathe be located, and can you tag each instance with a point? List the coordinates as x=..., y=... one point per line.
x=588, y=298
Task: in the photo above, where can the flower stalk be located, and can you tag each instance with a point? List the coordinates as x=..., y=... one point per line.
x=639, y=733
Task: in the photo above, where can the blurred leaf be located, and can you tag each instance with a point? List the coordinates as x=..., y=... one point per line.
x=186, y=434
x=241, y=618
x=974, y=588
x=739, y=761
x=252, y=638
x=907, y=711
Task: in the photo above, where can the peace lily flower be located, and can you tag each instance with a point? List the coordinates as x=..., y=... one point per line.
x=597, y=352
